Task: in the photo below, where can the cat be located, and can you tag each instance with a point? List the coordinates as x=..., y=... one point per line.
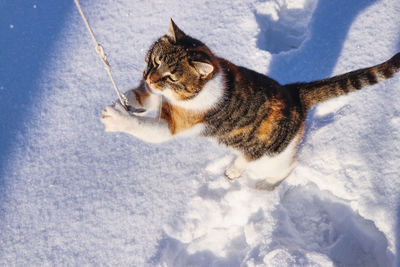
x=197, y=93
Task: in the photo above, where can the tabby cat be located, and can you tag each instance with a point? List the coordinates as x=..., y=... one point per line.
x=197, y=93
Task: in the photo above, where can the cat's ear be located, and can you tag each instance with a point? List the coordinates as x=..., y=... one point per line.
x=203, y=68
x=174, y=32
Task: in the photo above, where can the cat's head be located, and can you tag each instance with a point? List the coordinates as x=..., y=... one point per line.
x=178, y=66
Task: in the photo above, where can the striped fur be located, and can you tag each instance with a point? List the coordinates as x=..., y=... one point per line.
x=240, y=108
x=319, y=91
x=257, y=116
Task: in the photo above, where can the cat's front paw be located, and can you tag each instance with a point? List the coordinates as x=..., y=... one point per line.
x=233, y=172
x=236, y=168
x=114, y=118
x=133, y=103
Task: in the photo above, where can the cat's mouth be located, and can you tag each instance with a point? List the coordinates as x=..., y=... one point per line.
x=152, y=88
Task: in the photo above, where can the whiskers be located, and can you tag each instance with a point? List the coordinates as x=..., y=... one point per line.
x=159, y=108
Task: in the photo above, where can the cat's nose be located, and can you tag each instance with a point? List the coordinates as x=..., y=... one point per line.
x=154, y=77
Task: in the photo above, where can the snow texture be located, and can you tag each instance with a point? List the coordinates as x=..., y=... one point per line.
x=71, y=194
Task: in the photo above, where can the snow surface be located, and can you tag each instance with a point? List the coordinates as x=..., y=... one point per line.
x=72, y=194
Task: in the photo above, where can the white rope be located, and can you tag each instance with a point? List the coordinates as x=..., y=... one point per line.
x=100, y=51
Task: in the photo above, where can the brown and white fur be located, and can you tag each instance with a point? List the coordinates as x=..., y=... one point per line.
x=200, y=94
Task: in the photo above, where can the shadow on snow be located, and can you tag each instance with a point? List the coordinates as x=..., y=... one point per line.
x=28, y=29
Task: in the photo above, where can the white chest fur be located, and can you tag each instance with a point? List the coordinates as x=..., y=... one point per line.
x=211, y=93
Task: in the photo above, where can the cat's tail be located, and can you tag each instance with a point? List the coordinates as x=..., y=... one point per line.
x=318, y=91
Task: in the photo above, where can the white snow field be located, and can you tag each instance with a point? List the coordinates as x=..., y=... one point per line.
x=73, y=195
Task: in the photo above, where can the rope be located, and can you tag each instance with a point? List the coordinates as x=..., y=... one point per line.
x=100, y=51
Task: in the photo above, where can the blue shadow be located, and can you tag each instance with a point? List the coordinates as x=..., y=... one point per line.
x=317, y=57
x=27, y=30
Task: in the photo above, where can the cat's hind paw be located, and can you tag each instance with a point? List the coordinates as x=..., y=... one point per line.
x=265, y=185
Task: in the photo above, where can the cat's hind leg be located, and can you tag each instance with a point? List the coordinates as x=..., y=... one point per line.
x=270, y=184
x=275, y=168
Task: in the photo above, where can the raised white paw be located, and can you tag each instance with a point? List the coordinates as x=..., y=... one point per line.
x=115, y=118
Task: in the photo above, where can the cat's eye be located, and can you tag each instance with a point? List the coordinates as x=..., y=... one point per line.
x=172, y=78
x=157, y=61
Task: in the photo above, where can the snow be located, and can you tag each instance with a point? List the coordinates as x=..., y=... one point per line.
x=72, y=194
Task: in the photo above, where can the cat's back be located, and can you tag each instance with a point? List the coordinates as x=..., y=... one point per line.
x=240, y=79
x=257, y=115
